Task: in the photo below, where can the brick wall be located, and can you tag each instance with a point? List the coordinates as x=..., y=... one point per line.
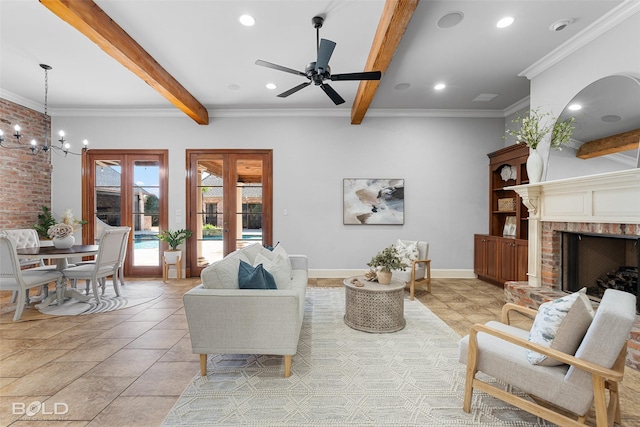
x=25, y=179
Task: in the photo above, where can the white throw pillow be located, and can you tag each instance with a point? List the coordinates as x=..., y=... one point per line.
x=223, y=274
x=279, y=250
x=279, y=268
x=561, y=325
x=408, y=251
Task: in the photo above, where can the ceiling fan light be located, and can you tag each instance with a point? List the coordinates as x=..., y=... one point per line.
x=247, y=20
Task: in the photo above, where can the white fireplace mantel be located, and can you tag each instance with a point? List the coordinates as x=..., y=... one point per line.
x=612, y=197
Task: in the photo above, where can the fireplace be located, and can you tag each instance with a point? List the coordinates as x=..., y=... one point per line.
x=600, y=262
x=606, y=204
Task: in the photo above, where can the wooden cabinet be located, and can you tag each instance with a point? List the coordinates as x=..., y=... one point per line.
x=501, y=255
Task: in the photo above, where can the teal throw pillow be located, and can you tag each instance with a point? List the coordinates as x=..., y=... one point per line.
x=254, y=277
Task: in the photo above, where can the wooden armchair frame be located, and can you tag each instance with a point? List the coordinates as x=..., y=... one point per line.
x=603, y=378
x=427, y=276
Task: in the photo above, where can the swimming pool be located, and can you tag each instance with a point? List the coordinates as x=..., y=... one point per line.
x=146, y=244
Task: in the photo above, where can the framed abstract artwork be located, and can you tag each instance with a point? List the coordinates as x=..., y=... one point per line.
x=373, y=201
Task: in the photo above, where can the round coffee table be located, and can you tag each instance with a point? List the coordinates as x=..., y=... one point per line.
x=374, y=307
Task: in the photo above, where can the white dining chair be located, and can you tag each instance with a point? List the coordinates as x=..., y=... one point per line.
x=107, y=263
x=13, y=278
x=27, y=238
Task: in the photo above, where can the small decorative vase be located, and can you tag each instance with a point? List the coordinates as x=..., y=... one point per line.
x=64, y=242
x=384, y=277
x=534, y=166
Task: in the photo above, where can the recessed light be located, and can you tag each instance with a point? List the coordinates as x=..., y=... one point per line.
x=402, y=86
x=247, y=20
x=440, y=86
x=611, y=118
x=271, y=86
x=505, y=22
x=450, y=19
x=233, y=87
x=574, y=107
x=561, y=24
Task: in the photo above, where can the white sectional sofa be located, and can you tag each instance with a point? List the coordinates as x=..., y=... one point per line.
x=224, y=319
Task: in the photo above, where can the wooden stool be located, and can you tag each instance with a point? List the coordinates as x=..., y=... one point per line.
x=165, y=268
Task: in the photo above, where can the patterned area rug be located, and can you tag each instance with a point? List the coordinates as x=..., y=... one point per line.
x=343, y=377
x=130, y=295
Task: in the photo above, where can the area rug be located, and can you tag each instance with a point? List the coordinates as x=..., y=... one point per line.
x=343, y=377
x=130, y=296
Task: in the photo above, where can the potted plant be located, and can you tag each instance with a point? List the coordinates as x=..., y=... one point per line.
x=173, y=239
x=384, y=261
x=45, y=221
x=532, y=131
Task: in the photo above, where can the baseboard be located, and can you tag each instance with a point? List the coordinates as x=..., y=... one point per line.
x=435, y=274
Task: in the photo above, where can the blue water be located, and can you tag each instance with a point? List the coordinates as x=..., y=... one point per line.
x=146, y=244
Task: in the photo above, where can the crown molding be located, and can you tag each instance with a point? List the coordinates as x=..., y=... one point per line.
x=608, y=21
x=17, y=99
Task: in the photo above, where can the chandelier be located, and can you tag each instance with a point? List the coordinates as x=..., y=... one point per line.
x=46, y=146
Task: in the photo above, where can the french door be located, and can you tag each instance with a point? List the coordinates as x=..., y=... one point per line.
x=127, y=188
x=229, y=203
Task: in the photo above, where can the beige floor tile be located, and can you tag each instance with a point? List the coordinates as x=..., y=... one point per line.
x=47, y=379
x=127, y=330
x=86, y=397
x=149, y=411
x=158, y=338
x=181, y=352
x=70, y=339
x=164, y=379
x=16, y=365
x=97, y=350
x=102, y=321
x=175, y=321
x=169, y=303
x=127, y=363
x=153, y=315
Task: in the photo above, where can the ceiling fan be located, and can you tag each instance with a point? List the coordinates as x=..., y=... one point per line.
x=319, y=71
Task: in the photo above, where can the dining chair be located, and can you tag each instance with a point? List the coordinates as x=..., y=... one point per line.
x=27, y=238
x=13, y=278
x=107, y=263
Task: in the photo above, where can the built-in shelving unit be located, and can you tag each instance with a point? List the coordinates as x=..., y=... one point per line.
x=501, y=255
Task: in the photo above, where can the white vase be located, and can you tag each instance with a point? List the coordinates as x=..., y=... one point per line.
x=534, y=166
x=171, y=257
x=64, y=242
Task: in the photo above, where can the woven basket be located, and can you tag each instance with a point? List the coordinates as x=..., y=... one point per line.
x=507, y=205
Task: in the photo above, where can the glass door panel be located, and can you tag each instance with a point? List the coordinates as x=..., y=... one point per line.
x=210, y=217
x=228, y=202
x=107, y=195
x=145, y=208
x=248, y=202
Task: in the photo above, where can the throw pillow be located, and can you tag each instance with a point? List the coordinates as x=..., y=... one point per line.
x=279, y=250
x=223, y=274
x=407, y=251
x=278, y=266
x=561, y=325
x=254, y=277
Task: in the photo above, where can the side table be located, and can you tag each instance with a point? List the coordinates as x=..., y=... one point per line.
x=374, y=307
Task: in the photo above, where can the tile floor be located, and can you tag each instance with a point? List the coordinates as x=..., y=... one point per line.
x=128, y=367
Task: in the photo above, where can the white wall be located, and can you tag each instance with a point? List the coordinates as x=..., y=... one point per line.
x=616, y=52
x=443, y=162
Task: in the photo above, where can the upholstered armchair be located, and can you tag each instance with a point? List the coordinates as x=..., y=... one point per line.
x=573, y=381
x=416, y=255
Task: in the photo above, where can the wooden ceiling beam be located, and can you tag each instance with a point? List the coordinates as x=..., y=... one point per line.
x=393, y=23
x=609, y=145
x=93, y=22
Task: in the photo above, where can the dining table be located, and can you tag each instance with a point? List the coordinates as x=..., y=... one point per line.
x=61, y=256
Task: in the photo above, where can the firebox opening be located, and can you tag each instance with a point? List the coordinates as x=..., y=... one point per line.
x=599, y=262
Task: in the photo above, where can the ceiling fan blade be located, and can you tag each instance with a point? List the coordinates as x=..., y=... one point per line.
x=294, y=89
x=324, y=54
x=367, y=75
x=337, y=99
x=279, y=68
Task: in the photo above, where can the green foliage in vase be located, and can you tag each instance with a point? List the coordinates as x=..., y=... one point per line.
x=174, y=238
x=387, y=260
x=531, y=130
x=45, y=221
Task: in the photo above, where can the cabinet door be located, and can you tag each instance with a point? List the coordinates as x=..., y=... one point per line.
x=479, y=255
x=491, y=250
x=522, y=260
x=506, y=260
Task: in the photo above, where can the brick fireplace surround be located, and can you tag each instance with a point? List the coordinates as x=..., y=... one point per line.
x=607, y=204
